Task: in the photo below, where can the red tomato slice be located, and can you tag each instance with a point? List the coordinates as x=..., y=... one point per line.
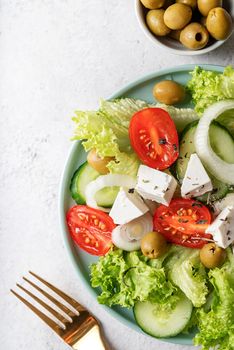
x=154, y=138
x=184, y=222
x=90, y=229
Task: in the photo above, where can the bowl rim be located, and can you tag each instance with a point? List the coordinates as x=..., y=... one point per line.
x=185, y=52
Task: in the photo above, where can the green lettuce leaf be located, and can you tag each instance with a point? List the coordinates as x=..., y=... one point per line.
x=216, y=327
x=186, y=271
x=125, y=278
x=208, y=87
x=106, y=130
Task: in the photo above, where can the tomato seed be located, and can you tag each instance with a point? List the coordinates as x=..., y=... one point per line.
x=87, y=240
x=190, y=211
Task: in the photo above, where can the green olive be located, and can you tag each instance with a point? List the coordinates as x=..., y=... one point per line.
x=98, y=163
x=153, y=245
x=212, y=256
x=177, y=16
x=168, y=92
x=219, y=23
x=175, y=34
x=194, y=36
x=191, y=3
x=204, y=6
x=153, y=4
x=155, y=22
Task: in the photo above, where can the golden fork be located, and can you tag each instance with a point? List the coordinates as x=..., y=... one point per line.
x=79, y=329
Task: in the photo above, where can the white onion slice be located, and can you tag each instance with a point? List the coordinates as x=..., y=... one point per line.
x=106, y=181
x=128, y=236
x=218, y=167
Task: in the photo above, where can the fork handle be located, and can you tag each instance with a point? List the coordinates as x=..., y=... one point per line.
x=92, y=340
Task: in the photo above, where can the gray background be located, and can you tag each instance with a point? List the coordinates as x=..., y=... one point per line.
x=57, y=56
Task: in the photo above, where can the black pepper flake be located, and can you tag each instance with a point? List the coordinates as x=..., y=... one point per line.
x=223, y=219
x=190, y=141
x=162, y=141
x=229, y=238
x=183, y=141
x=131, y=190
x=202, y=186
x=180, y=157
x=145, y=181
x=196, y=204
x=201, y=222
x=185, y=156
x=228, y=233
x=175, y=147
x=183, y=221
x=155, y=188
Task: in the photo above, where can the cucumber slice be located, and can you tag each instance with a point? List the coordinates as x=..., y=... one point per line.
x=84, y=175
x=159, y=322
x=221, y=142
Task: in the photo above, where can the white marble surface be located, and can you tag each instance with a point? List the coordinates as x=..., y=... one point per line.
x=56, y=56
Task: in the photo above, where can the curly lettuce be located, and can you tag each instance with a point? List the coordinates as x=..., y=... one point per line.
x=216, y=326
x=186, y=271
x=208, y=87
x=125, y=278
x=106, y=130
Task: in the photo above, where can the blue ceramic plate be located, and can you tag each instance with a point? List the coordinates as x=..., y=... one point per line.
x=140, y=89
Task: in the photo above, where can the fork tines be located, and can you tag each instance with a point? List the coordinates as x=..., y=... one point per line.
x=63, y=321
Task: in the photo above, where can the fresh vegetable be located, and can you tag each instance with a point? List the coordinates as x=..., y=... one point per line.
x=184, y=222
x=220, y=142
x=105, y=181
x=216, y=327
x=125, y=278
x=212, y=256
x=81, y=178
x=98, y=163
x=169, y=92
x=186, y=271
x=221, y=169
x=128, y=236
x=207, y=87
x=154, y=137
x=90, y=229
x=106, y=131
x=223, y=203
x=194, y=36
x=153, y=245
x=159, y=321
x=181, y=116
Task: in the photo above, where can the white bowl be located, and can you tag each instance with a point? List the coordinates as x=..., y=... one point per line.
x=172, y=45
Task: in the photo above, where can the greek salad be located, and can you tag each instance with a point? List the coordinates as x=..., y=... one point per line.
x=155, y=203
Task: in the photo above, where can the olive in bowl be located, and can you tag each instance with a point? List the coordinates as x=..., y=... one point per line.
x=194, y=36
x=177, y=16
x=153, y=4
x=219, y=23
x=191, y=3
x=155, y=21
x=204, y=6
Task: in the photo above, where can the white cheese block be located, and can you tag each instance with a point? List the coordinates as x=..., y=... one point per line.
x=127, y=206
x=196, y=180
x=222, y=228
x=155, y=185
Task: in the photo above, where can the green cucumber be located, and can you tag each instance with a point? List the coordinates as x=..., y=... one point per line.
x=157, y=321
x=81, y=178
x=221, y=142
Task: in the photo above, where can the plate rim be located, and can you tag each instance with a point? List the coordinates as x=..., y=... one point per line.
x=62, y=192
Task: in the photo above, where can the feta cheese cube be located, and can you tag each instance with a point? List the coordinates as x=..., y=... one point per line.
x=196, y=180
x=155, y=185
x=222, y=228
x=127, y=206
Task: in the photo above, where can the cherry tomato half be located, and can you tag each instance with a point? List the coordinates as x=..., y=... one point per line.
x=184, y=222
x=154, y=138
x=90, y=229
